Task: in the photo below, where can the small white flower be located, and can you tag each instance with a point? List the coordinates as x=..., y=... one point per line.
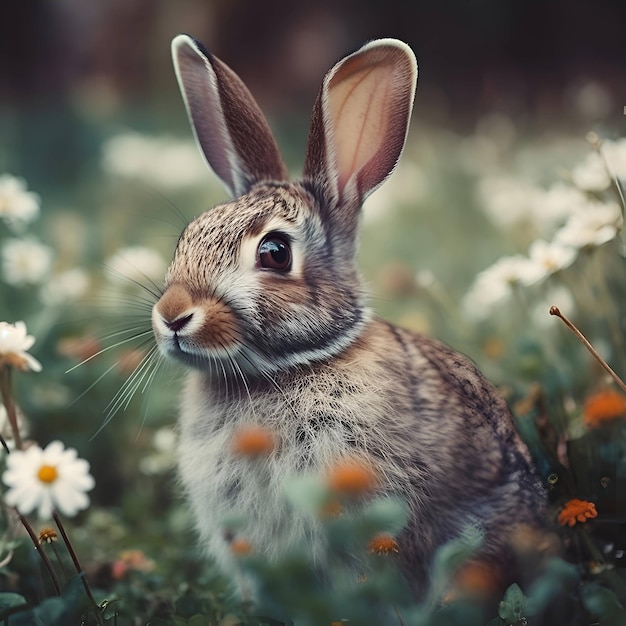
x=136, y=263
x=496, y=283
x=591, y=174
x=17, y=205
x=551, y=257
x=161, y=161
x=597, y=225
x=554, y=205
x=14, y=343
x=25, y=261
x=164, y=457
x=69, y=286
x=48, y=479
x=615, y=154
x=507, y=201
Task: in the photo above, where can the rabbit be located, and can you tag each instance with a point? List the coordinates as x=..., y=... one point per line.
x=264, y=303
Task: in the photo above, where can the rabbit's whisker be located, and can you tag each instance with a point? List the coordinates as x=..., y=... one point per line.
x=111, y=347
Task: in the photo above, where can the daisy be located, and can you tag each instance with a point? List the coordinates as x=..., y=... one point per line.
x=25, y=261
x=496, y=284
x=47, y=479
x=551, y=257
x=597, y=225
x=14, y=342
x=136, y=264
x=17, y=206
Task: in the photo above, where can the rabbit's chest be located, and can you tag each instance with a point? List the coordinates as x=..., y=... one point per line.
x=311, y=431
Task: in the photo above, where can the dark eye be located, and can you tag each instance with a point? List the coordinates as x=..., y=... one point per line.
x=275, y=253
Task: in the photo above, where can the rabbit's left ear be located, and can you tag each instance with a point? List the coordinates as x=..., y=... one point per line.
x=360, y=122
x=230, y=129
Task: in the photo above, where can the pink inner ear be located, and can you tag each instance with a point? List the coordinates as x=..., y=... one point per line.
x=359, y=110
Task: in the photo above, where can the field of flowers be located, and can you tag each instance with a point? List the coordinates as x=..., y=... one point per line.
x=473, y=240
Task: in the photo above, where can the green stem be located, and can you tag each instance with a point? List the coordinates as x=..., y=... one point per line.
x=78, y=567
x=9, y=405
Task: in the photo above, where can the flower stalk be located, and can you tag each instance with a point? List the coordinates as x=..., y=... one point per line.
x=9, y=405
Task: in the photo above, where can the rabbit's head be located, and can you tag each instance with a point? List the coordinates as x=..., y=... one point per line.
x=268, y=280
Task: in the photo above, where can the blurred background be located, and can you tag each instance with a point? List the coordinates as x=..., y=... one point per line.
x=94, y=138
x=71, y=72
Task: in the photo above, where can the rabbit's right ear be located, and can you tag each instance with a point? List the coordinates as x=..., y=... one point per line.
x=230, y=129
x=359, y=125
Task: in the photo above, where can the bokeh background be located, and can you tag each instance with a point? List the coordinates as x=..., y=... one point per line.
x=497, y=158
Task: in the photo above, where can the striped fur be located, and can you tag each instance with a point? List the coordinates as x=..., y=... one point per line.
x=300, y=353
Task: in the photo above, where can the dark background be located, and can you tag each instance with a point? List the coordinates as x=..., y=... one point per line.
x=67, y=66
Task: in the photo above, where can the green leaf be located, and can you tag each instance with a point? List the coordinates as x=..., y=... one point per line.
x=557, y=578
x=513, y=604
x=10, y=600
x=306, y=493
x=453, y=554
x=603, y=603
x=387, y=514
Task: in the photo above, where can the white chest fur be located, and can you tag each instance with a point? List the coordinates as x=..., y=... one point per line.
x=313, y=429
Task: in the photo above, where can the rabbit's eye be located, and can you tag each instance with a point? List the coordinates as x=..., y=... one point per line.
x=275, y=254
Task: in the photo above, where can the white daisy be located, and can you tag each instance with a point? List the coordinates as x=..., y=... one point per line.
x=68, y=286
x=507, y=201
x=161, y=161
x=17, y=205
x=590, y=174
x=25, y=261
x=597, y=225
x=551, y=257
x=47, y=480
x=136, y=264
x=14, y=342
x=496, y=283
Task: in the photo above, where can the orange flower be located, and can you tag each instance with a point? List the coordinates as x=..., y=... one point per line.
x=240, y=547
x=331, y=508
x=577, y=511
x=47, y=535
x=131, y=560
x=383, y=545
x=352, y=478
x=475, y=578
x=604, y=406
x=252, y=441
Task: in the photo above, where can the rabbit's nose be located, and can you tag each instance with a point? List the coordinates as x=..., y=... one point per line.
x=179, y=323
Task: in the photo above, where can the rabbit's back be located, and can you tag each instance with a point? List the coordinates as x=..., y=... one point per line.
x=434, y=429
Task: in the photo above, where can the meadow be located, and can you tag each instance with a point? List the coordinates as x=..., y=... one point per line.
x=473, y=239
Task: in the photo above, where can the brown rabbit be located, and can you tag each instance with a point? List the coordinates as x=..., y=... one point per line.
x=263, y=300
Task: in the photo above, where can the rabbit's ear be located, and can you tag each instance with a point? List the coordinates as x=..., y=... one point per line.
x=360, y=122
x=230, y=129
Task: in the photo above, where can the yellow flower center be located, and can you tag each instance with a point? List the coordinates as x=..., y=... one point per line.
x=47, y=474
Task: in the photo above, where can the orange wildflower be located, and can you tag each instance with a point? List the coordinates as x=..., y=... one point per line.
x=331, y=508
x=383, y=545
x=352, y=478
x=475, y=578
x=603, y=406
x=240, y=547
x=47, y=535
x=576, y=510
x=253, y=441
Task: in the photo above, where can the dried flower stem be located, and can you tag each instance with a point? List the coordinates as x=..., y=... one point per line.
x=9, y=405
x=41, y=551
x=77, y=565
x=555, y=311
